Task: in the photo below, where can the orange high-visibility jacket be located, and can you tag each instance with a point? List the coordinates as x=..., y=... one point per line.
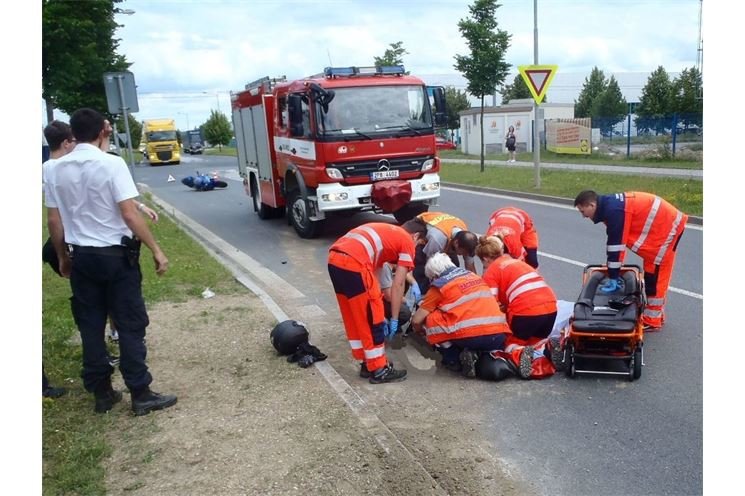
x=465, y=308
x=444, y=222
x=643, y=222
x=516, y=228
x=518, y=287
x=376, y=243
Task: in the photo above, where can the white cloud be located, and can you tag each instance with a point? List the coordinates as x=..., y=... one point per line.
x=184, y=48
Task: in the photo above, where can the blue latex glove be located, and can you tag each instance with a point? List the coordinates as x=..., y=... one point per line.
x=610, y=286
x=386, y=329
x=392, y=327
x=416, y=293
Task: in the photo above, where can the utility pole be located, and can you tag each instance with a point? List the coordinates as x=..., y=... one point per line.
x=536, y=144
x=700, y=50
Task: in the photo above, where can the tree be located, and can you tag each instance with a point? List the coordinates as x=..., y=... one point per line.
x=609, y=107
x=656, y=102
x=593, y=87
x=135, y=129
x=688, y=99
x=517, y=91
x=455, y=101
x=393, y=55
x=485, y=68
x=78, y=47
x=217, y=130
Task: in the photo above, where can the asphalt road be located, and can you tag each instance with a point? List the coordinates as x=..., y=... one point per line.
x=594, y=435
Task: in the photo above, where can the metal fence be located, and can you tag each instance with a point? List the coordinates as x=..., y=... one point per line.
x=672, y=132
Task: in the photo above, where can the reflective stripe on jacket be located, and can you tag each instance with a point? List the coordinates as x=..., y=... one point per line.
x=518, y=287
x=466, y=309
x=645, y=223
x=444, y=222
x=527, y=232
x=376, y=243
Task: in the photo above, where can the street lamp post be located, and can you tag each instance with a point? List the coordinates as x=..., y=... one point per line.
x=217, y=98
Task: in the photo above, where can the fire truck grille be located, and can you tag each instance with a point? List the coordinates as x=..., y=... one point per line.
x=366, y=167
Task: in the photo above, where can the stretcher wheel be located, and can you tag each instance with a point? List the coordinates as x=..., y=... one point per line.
x=635, y=364
x=571, y=368
x=637, y=360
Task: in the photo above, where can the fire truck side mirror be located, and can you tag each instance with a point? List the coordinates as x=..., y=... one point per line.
x=440, y=110
x=295, y=111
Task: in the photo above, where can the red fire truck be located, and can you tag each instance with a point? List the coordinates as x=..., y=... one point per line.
x=347, y=140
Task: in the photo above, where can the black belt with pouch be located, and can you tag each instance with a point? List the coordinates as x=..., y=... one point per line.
x=132, y=245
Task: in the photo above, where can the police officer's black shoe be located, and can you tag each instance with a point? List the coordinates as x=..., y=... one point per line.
x=146, y=401
x=105, y=400
x=53, y=392
x=387, y=374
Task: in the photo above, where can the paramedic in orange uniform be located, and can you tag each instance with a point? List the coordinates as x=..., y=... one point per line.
x=518, y=233
x=530, y=304
x=353, y=261
x=459, y=316
x=440, y=233
x=647, y=225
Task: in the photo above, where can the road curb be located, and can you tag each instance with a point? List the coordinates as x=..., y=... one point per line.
x=376, y=428
x=692, y=219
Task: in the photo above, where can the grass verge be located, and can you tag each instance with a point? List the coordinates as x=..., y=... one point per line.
x=558, y=158
x=73, y=436
x=686, y=195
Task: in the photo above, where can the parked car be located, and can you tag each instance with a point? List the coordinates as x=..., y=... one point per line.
x=444, y=144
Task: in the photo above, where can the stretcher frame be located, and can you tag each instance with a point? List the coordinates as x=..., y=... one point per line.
x=628, y=347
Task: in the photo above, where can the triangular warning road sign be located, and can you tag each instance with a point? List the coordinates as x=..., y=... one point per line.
x=171, y=178
x=538, y=78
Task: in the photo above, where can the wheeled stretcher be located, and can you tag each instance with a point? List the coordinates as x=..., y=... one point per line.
x=606, y=333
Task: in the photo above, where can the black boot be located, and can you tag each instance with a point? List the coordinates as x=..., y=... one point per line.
x=387, y=374
x=106, y=397
x=145, y=401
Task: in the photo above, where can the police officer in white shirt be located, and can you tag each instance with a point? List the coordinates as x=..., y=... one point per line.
x=93, y=211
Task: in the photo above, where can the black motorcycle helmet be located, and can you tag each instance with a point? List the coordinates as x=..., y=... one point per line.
x=493, y=369
x=288, y=335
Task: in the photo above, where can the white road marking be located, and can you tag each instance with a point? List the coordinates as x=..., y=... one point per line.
x=537, y=202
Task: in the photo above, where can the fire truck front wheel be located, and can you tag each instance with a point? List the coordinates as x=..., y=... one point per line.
x=300, y=217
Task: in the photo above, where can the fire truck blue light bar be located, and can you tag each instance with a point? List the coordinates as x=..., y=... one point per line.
x=354, y=71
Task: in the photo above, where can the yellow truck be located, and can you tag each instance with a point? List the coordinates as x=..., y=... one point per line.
x=159, y=143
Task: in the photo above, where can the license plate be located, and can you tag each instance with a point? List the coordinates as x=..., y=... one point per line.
x=378, y=175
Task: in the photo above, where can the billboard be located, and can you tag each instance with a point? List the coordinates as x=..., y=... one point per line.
x=570, y=136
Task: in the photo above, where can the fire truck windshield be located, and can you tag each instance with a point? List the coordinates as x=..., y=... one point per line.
x=376, y=111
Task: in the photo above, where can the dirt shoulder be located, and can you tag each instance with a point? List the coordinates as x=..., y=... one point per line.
x=249, y=422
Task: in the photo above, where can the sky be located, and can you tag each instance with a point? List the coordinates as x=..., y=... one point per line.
x=188, y=55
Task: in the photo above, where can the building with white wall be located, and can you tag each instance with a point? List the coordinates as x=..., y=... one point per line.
x=517, y=113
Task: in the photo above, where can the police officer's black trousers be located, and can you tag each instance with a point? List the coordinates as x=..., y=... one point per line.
x=104, y=285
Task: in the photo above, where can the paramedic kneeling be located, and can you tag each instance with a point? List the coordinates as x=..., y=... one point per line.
x=459, y=315
x=530, y=304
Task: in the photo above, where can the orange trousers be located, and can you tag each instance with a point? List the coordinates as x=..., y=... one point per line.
x=361, y=304
x=656, y=282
